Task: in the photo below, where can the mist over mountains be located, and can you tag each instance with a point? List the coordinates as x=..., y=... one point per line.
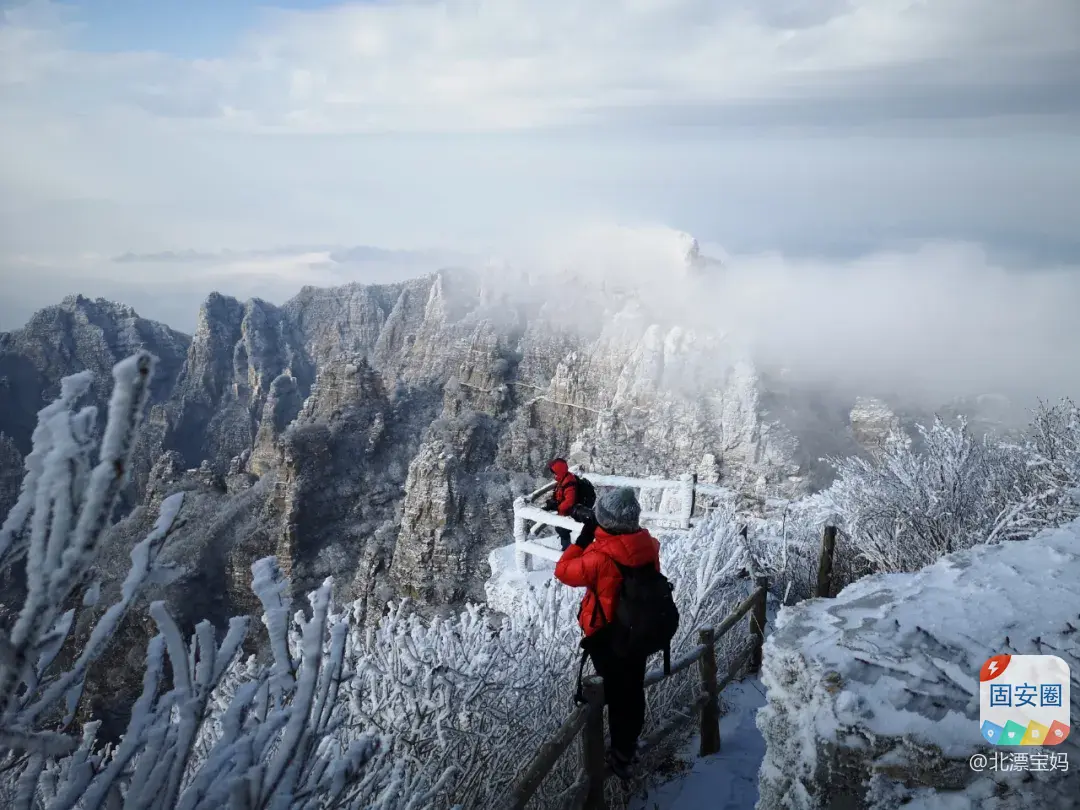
x=379, y=432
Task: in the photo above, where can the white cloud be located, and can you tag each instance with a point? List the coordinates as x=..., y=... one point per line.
x=355, y=124
x=507, y=64
x=929, y=322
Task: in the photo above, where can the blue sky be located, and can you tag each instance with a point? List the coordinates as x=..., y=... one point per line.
x=187, y=28
x=809, y=128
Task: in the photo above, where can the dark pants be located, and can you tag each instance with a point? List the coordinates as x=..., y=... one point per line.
x=624, y=693
x=588, y=532
x=564, y=537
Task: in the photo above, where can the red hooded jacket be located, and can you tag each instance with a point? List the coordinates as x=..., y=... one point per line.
x=565, y=486
x=594, y=568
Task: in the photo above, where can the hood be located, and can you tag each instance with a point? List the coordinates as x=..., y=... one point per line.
x=559, y=467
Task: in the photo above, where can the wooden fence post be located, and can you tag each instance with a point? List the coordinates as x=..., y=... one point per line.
x=592, y=745
x=710, y=712
x=757, y=623
x=825, y=562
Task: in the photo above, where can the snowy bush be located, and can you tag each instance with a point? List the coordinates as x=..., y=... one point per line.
x=1054, y=448
x=469, y=692
x=787, y=548
x=705, y=566
x=905, y=508
x=225, y=733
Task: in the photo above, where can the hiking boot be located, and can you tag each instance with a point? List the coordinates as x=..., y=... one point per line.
x=620, y=765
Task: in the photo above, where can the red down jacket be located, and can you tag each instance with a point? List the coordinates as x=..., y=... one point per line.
x=565, y=486
x=594, y=568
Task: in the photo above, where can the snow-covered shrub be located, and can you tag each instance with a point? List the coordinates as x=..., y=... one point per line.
x=224, y=732
x=905, y=508
x=471, y=691
x=705, y=566
x=787, y=547
x=1054, y=448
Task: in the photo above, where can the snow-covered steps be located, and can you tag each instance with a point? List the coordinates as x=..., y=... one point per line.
x=727, y=780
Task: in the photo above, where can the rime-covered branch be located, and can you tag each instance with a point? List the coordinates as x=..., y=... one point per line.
x=226, y=732
x=66, y=509
x=905, y=507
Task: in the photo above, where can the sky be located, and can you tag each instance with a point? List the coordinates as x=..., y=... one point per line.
x=823, y=133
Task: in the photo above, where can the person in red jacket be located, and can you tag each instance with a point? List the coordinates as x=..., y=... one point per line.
x=592, y=565
x=564, y=498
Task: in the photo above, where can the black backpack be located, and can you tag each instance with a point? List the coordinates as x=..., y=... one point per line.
x=585, y=492
x=646, y=617
x=645, y=621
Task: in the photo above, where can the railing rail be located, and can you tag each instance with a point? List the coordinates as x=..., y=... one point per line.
x=526, y=511
x=587, y=721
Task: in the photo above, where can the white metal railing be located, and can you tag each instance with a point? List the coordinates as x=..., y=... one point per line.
x=525, y=511
x=523, y=546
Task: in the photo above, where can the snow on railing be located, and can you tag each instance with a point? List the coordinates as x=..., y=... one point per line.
x=526, y=510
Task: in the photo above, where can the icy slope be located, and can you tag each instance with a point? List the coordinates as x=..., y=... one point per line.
x=879, y=686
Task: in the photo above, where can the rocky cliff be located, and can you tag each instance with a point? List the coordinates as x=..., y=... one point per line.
x=78, y=334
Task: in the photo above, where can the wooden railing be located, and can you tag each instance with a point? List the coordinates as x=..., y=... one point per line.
x=824, y=584
x=587, y=720
x=525, y=510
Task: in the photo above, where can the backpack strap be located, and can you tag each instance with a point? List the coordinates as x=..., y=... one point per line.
x=598, y=606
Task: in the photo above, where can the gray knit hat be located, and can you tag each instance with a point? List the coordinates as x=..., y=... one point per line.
x=617, y=511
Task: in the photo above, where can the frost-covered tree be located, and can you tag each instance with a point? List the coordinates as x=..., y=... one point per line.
x=1054, y=448
x=477, y=691
x=213, y=732
x=906, y=507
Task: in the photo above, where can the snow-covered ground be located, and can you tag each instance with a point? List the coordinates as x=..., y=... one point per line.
x=727, y=780
x=880, y=685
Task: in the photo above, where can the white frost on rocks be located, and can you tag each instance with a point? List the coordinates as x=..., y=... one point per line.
x=879, y=686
